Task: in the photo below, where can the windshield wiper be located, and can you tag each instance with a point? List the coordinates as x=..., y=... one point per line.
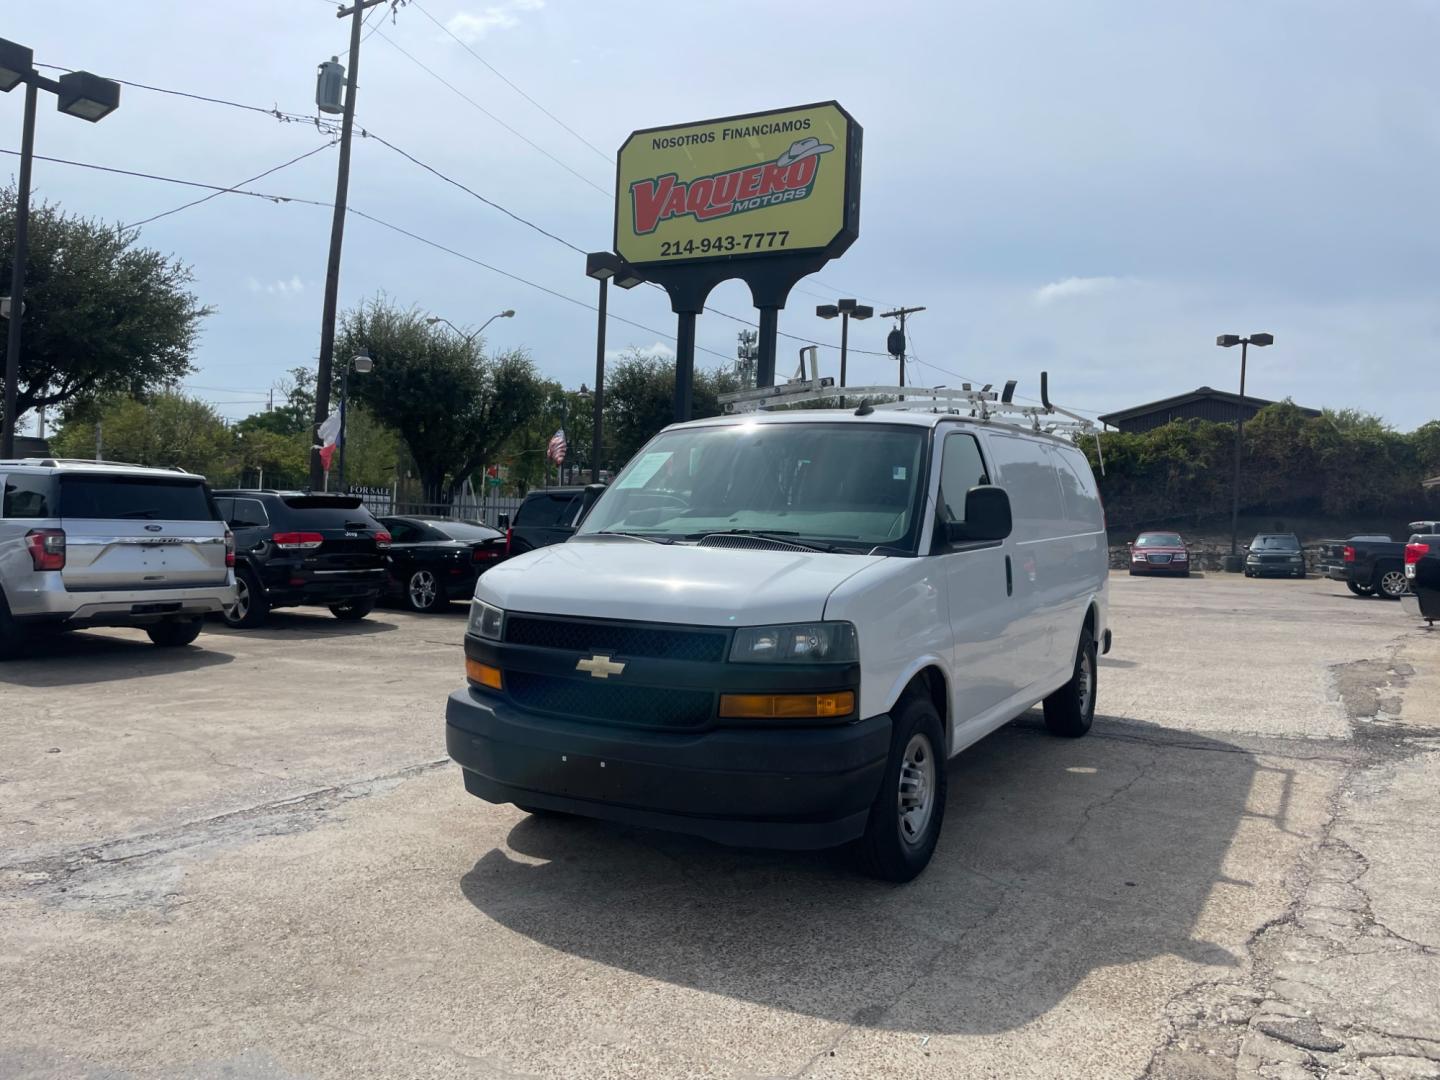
x=652, y=538
x=778, y=536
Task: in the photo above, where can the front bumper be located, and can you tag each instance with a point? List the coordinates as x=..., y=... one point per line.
x=1275, y=569
x=793, y=788
x=1160, y=568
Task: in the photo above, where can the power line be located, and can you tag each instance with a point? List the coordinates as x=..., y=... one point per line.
x=491, y=68
x=230, y=190
x=528, y=142
x=217, y=188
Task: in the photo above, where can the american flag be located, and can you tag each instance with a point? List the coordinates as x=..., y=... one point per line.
x=556, y=450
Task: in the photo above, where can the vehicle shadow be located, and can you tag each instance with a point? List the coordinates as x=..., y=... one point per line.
x=79, y=657
x=1058, y=858
x=287, y=623
x=1116, y=662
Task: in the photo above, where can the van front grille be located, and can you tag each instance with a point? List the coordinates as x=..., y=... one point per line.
x=653, y=641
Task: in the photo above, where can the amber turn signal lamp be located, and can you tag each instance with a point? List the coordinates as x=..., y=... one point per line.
x=786, y=706
x=482, y=674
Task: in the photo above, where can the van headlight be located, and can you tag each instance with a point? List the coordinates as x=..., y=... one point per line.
x=796, y=643
x=486, y=620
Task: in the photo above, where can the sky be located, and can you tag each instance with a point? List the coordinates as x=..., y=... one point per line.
x=1096, y=189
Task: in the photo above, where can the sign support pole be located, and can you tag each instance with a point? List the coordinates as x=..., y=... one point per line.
x=769, y=330
x=684, y=365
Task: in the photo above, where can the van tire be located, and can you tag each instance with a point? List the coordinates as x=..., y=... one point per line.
x=256, y=603
x=175, y=633
x=10, y=636
x=1070, y=710
x=917, y=746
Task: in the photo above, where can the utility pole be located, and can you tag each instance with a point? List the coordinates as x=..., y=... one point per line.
x=337, y=236
x=896, y=340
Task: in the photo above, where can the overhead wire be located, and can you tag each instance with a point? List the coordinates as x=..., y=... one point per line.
x=508, y=82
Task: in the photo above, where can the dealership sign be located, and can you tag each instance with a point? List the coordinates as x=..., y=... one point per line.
x=744, y=187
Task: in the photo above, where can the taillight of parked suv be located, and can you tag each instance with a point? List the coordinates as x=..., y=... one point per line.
x=509, y=540
x=47, y=548
x=229, y=548
x=382, y=540
x=297, y=541
x=1415, y=552
x=1349, y=553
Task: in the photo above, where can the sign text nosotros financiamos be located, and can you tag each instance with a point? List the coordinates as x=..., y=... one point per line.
x=724, y=194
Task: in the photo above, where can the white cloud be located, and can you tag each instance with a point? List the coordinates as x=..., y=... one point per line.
x=1071, y=287
x=472, y=27
x=656, y=348
x=291, y=286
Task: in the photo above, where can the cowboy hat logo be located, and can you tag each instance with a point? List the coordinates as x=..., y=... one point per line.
x=802, y=148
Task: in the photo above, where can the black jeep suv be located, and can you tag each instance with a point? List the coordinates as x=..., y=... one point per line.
x=301, y=547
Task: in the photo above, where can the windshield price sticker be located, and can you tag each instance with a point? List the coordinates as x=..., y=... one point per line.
x=644, y=469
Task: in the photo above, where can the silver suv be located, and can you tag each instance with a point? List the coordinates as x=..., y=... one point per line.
x=88, y=543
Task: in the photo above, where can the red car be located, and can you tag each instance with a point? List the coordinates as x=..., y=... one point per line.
x=1160, y=553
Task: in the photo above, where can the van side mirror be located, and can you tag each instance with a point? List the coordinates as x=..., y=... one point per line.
x=987, y=517
x=502, y=522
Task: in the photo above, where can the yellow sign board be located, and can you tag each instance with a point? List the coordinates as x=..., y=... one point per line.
x=772, y=183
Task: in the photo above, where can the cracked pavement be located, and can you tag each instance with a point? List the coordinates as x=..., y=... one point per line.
x=251, y=860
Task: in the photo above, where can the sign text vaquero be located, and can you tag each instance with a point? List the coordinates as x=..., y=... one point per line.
x=733, y=192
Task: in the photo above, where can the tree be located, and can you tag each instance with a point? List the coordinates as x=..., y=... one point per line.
x=453, y=406
x=102, y=314
x=165, y=430
x=640, y=400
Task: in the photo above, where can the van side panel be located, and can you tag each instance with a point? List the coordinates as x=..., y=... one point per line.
x=1042, y=552
x=1089, y=553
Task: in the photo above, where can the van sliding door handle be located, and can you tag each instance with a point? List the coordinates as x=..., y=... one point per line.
x=1009, y=578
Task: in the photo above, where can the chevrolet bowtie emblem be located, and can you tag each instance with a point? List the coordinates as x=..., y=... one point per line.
x=599, y=666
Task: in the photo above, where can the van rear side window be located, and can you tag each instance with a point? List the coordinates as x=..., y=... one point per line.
x=27, y=497
x=141, y=498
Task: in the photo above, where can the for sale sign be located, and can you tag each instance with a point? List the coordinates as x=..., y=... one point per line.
x=766, y=184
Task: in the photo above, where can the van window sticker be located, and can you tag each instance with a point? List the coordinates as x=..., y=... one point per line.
x=644, y=470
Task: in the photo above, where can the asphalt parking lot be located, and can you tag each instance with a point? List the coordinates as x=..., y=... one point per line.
x=250, y=858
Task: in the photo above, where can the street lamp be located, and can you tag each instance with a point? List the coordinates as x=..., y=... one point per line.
x=434, y=319
x=363, y=365
x=847, y=310
x=602, y=266
x=78, y=93
x=1227, y=341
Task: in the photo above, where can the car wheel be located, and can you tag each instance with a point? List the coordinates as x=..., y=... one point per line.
x=1070, y=710
x=905, y=819
x=173, y=634
x=425, y=592
x=353, y=611
x=1360, y=590
x=1391, y=584
x=251, y=605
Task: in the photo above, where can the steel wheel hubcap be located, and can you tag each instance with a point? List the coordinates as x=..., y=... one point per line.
x=422, y=588
x=1393, y=582
x=241, y=606
x=916, y=797
x=1086, y=682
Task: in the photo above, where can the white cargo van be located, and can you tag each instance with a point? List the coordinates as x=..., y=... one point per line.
x=775, y=627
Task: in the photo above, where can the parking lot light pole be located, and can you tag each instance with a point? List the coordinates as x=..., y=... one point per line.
x=847, y=310
x=361, y=364
x=1228, y=341
x=508, y=313
x=603, y=266
x=77, y=93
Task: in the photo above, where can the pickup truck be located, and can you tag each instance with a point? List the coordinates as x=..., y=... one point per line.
x=1370, y=565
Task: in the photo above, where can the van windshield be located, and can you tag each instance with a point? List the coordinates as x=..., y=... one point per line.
x=849, y=486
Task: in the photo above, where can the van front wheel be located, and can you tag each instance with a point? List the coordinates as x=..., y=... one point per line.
x=905, y=819
x=1070, y=710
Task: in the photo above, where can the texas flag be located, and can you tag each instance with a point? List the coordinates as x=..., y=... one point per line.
x=329, y=433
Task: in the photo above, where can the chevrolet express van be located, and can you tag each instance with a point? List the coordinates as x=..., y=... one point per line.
x=773, y=629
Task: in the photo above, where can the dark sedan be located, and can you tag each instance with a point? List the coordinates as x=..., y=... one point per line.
x=1160, y=553
x=434, y=561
